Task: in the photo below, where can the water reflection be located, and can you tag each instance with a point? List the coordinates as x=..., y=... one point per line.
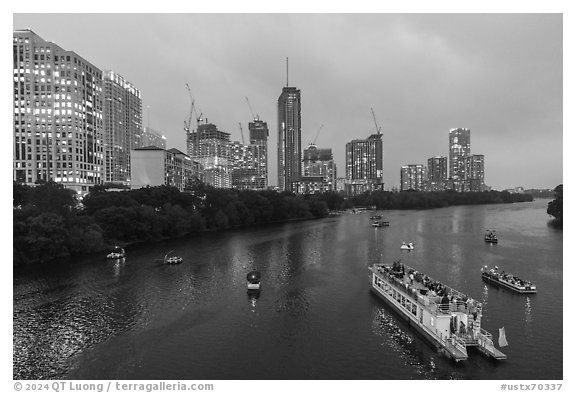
x=528, y=317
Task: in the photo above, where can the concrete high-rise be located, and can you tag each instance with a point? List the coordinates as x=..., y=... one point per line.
x=289, y=139
x=458, y=151
x=475, y=172
x=58, y=115
x=437, y=173
x=364, y=164
x=151, y=137
x=318, y=170
x=122, y=126
x=213, y=154
x=259, y=133
x=412, y=177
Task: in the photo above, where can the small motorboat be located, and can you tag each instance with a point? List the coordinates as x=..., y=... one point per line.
x=253, y=279
x=409, y=246
x=380, y=224
x=490, y=236
x=376, y=217
x=117, y=253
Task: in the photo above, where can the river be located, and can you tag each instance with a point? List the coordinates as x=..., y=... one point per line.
x=315, y=317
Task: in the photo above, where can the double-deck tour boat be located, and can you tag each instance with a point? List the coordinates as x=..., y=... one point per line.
x=507, y=280
x=448, y=319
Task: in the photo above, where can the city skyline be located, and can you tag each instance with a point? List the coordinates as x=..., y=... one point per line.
x=500, y=76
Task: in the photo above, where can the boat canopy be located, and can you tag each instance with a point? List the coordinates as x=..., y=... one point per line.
x=253, y=276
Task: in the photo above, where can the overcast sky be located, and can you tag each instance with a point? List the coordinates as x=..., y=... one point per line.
x=500, y=75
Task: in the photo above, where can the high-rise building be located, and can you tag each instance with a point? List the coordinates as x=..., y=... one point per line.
x=318, y=170
x=475, y=172
x=243, y=167
x=412, y=177
x=289, y=139
x=437, y=173
x=58, y=119
x=258, y=130
x=122, y=126
x=364, y=164
x=458, y=150
x=213, y=153
x=151, y=137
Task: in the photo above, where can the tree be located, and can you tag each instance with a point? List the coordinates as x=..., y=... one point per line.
x=52, y=197
x=555, y=207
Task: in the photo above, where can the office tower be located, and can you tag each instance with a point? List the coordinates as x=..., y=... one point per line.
x=289, y=139
x=213, y=154
x=364, y=164
x=122, y=126
x=58, y=128
x=412, y=177
x=258, y=130
x=153, y=166
x=437, y=173
x=458, y=150
x=151, y=137
x=475, y=172
x=318, y=170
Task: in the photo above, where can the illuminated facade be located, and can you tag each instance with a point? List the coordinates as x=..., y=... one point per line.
x=289, y=139
x=437, y=173
x=475, y=172
x=458, y=151
x=58, y=115
x=413, y=177
x=213, y=153
x=364, y=164
x=122, y=126
x=259, y=146
x=318, y=171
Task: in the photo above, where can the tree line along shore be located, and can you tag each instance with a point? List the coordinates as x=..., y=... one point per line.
x=50, y=224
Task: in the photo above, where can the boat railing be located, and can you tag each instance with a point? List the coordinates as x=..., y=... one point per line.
x=432, y=303
x=459, y=343
x=484, y=334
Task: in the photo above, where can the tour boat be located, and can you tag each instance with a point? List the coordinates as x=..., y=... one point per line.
x=507, y=280
x=253, y=279
x=409, y=246
x=490, y=236
x=380, y=224
x=448, y=319
x=174, y=260
x=117, y=253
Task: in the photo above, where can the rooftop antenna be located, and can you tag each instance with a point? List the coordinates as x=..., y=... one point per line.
x=287, y=73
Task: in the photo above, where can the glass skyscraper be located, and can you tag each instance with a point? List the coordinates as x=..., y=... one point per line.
x=289, y=139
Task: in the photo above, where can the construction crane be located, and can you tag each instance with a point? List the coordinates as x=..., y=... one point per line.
x=375, y=122
x=241, y=132
x=317, y=133
x=255, y=117
x=188, y=125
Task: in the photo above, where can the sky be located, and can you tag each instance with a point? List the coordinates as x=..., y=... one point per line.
x=500, y=75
